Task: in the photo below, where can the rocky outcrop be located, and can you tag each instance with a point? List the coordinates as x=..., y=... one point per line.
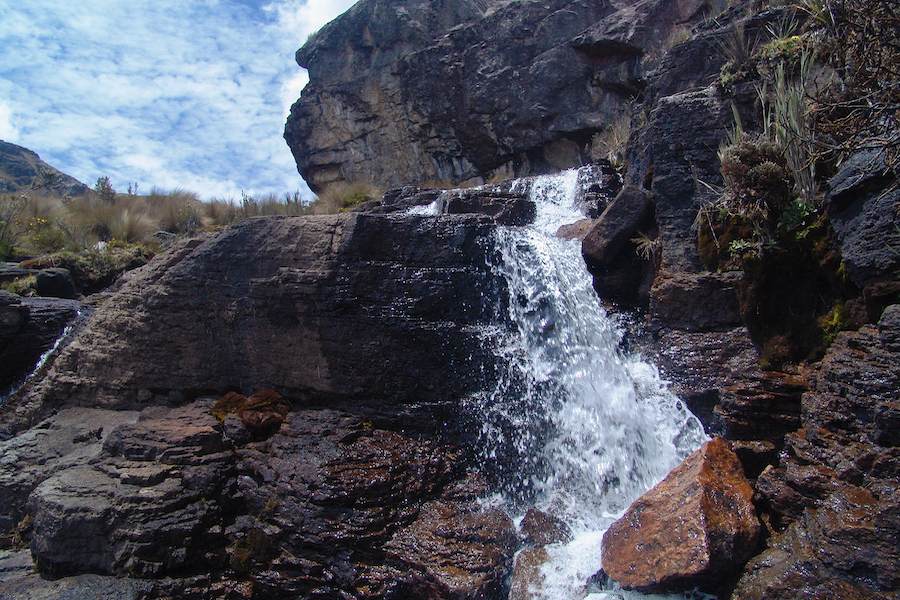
x=693, y=529
x=29, y=327
x=835, y=488
x=862, y=208
x=326, y=307
x=342, y=475
x=21, y=170
x=609, y=249
x=408, y=92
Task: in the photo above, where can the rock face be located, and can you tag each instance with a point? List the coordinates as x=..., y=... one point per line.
x=346, y=477
x=693, y=529
x=21, y=170
x=28, y=328
x=411, y=91
x=832, y=501
x=336, y=306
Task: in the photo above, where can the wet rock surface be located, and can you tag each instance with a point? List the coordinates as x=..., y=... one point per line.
x=339, y=483
x=333, y=306
x=831, y=502
x=693, y=529
x=29, y=327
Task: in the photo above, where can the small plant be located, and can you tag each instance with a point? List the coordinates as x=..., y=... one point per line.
x=342, y=196
x=745, y=249
x=612, y=142
x=23, y=286
x=820, y=12
x=10, y=209
x=647, y=248
x=737, y=50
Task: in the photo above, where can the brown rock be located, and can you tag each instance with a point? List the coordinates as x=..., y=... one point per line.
x=847, y=548
x=526, y=578
x=694, y=529
x=265, y=410
x=540, y=528
x=577, y=230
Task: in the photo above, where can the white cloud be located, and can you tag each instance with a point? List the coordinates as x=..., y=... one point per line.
x=7, y=129
x=162, y=92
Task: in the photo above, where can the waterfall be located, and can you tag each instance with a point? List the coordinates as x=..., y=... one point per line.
x=574, y=426
x=63, y=338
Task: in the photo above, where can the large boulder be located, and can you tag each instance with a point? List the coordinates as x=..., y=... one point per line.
x=862, y=205
x=411, y=91
x=695, y=528
x=55, y=282
x=332, y=307
x=609, y=251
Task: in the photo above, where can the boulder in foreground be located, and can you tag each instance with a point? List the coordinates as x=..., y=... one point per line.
x=694, y=529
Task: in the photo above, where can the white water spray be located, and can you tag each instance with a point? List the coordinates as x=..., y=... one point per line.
x=574, y=427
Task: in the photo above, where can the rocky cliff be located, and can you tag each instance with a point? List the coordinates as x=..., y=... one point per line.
x=459, y=91
x=23, y=170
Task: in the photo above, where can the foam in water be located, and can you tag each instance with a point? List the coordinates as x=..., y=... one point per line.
x=574, y=426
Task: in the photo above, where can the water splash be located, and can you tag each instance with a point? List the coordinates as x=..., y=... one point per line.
x=50, y=352
x=574, y=426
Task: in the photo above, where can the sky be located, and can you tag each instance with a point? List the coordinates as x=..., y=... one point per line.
x=187, y=94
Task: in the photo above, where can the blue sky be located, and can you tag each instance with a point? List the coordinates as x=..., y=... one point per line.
x=168, y=93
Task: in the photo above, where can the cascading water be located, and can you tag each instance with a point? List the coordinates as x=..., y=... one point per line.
x=574, y=426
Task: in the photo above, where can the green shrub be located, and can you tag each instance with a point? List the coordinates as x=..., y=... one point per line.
x=96, y=269
x=757, y=182
x=23, y=286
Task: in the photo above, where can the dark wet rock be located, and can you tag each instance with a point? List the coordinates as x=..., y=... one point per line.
x=55, y=283
x=862, y=207
x=831, y=502
x=333, y=306
x=695, y=301
x=19, y=581
x=151, y=503
x=21, y=170
x=408, y=92
x=670, y=156
x=506, y=208
x=29, y=327
x=11, y=271
x=717, y=374
x=577, y=230
x=844, y=548
x=341, y=481
x=608, y=248
x=696, y=528
x=540, y=528
x=847, y=434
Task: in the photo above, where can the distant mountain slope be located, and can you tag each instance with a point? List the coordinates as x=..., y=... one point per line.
x=23, y=170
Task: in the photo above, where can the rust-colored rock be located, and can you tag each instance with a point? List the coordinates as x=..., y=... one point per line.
x=694, y=529
x=265, y=410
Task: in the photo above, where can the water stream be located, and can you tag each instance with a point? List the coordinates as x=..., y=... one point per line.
x=575, y=426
